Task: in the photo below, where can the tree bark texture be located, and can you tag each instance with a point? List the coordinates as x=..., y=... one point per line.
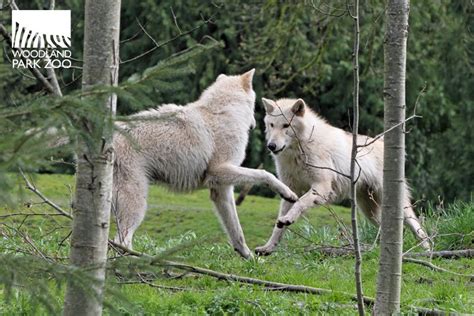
x=354, y=170
x=395, y=47
x=94, y=178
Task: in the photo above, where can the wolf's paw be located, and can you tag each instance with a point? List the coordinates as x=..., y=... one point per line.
x=289, y=196
x=284, y=221
x=264, y=250
x=426, y=244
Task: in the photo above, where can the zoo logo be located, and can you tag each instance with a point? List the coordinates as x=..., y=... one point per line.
x=41, y=38
x=38, y=28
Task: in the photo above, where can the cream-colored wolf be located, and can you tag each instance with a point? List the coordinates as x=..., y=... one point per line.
x=313, y=158
x=189, y=147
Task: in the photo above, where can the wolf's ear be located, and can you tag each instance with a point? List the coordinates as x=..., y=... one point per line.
x=220, y=76
x=299, y=107
x=269, y=105
x=246, y=80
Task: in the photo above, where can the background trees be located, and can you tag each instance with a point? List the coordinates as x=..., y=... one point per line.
x=303, y=50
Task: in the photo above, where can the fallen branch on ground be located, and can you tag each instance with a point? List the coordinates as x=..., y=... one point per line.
x=275, y=286
x=447, y=254
x=348, y=251
x=436, y=268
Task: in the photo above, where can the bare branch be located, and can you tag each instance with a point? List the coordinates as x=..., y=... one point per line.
x=373, y=140
x=30, y=214
x=354, y=163
x=146, y=33
x=205, y=22
x=268, y=284
x=38, y=75
x=33, y=189
x=329, y=13
x=376, y=138
x=436, y=268
x=175, y=20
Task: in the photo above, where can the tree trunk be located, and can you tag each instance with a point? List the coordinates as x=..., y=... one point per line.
x=94, y=176
x=354, y=173
x=389, y=277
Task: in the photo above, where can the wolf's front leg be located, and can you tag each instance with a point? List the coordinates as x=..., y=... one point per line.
x=305, y=202
x=227, y=174
x=277, y=233
x=223, y=198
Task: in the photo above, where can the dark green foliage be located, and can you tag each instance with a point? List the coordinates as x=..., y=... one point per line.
x=41, y=280
x=298, y=51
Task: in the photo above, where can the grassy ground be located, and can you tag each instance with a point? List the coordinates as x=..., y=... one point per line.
x=187, y=225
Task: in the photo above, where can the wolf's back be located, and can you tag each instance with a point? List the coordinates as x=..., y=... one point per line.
x=174, y=149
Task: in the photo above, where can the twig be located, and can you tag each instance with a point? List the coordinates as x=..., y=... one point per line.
x=33, y=189
x=354, y=162
x=146, y=33
x=436, y=268
x=175, y=20
x=172, y=288
x=53, y=86
x=376, y=138
x=160, y=286
x=166, y=42
x=30, y=214
x=333, y=14
x=345, y=251
x=38, y=75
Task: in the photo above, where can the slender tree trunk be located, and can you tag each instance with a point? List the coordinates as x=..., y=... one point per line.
x=390, y=272
x=354, y=173
x=95, y=161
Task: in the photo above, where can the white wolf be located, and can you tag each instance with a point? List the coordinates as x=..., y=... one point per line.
x=188, y=147
x=313, y=157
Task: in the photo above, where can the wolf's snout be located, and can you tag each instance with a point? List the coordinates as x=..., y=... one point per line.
x=272, y=146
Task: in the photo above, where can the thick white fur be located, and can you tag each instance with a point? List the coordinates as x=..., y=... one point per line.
x=310, y=142
x=188, y=147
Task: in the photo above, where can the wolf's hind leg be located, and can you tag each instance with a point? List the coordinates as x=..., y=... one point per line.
x=369, y=202
x=129, y=207
x=227, y=174
x=223, y=198
x=413, y=223
x=277, y=233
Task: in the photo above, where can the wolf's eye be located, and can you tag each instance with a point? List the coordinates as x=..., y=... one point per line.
x=271, y=124
x=286, y=125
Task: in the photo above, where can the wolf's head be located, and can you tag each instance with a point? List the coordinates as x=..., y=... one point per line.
x=284, y=121
x=235, y=91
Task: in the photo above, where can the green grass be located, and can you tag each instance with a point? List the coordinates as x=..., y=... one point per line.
x=188, y=225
